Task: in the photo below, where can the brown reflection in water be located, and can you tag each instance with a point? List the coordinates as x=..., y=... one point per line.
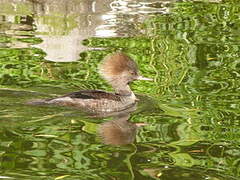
x=119, y=131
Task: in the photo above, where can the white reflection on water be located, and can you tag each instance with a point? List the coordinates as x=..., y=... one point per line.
x=124, y=16
x=62, y=25
x=119, y=18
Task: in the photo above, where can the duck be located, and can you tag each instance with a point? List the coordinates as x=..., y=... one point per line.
x=119, y=70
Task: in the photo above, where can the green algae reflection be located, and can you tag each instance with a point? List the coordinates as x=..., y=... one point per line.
x=192, y=110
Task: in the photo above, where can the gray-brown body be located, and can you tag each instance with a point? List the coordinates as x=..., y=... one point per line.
x=119, y=70
x=93, y=101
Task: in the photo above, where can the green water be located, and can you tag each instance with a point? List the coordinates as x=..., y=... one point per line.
x=188, y=118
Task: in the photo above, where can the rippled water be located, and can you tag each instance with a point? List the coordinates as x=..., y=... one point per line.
x=187, y=123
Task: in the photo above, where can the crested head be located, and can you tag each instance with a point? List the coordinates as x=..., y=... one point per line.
x=117, y=65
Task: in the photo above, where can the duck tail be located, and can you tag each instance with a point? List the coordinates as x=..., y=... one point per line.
x=38, y=102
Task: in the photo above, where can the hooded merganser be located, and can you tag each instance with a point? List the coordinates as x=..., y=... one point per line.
x=118, y=70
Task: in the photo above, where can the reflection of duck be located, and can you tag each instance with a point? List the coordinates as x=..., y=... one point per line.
x=118, y=70
x=118, y=131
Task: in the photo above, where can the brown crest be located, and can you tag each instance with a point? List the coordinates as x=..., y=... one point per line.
x=115, y=64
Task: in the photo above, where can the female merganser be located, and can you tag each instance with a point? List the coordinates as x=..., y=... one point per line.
x=118, y=70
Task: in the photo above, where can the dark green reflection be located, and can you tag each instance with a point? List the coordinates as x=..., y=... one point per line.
x=191, y=110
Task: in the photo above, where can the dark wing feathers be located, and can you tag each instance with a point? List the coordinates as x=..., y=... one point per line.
x=93, y=94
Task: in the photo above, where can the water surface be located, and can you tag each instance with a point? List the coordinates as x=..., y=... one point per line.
x=186, y=125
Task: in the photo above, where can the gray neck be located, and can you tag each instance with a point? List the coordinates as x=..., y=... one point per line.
x=123, y=90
